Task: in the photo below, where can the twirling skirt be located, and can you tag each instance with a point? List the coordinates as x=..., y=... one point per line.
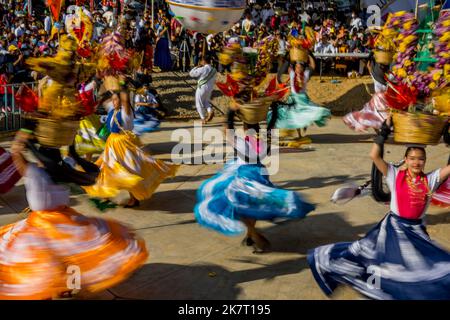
x=163, y=60
x=145, y=121
x=372, y=115
x=124, y=166
x=300, y=112
x=441, y=197
x=395, y=260
x=87, y=139
x=244, y=190
x=40, y=254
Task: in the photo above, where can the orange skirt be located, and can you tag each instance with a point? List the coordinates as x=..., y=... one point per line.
x=42, y=256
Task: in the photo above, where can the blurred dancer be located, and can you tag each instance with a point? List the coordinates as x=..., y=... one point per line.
x=396, y=259
x=36, y=253
x=123, y=164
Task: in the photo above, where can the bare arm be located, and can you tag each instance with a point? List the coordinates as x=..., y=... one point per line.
x=375, y=155
x=445, y=173
x=312, y=63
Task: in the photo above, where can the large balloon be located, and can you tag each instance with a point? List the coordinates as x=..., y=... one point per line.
x=207, y=16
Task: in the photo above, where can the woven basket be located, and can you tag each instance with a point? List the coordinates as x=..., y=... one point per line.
x=383, y=57
x=298, y=55
x=253, y=112
x=56, y=132
x=111, y=83
x=418, y=128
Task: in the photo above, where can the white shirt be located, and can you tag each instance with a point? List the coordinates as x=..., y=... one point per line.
x=19, y=32
x=41, y=192
x=320, y=47
x=47, y=24
x=356, y=23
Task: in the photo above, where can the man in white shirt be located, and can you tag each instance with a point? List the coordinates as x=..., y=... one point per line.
x=206, y=75
x=355, y=23
x=20, y=30
x=326, y=47
x=48, y=24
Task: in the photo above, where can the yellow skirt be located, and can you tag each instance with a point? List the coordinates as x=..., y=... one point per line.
x=124, y=166
x=40, y=254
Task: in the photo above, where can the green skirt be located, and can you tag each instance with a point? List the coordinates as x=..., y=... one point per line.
x=300, y=112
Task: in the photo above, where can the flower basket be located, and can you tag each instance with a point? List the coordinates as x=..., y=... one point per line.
x=418, y=128
x=56, y=132
x=383, y=57
x=253, y=112
x=298, y=54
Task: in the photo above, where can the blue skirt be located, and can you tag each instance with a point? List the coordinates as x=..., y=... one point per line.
x=395, y=260
x=163, y=59
x=145, y=120
x=300, y=112
x=244, y=191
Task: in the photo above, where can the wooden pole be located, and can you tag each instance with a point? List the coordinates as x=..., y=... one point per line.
x=153, y=14
x=417, y=9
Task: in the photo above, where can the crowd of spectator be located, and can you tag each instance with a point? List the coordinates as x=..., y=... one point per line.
x=25, y=33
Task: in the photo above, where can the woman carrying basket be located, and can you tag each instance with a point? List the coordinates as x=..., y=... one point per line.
x=299, y=112
x=38, y=253
x=235, y=198
x=123, y=164
x=396, y=259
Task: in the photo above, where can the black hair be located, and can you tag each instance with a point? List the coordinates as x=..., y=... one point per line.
x=409, y=149
x=206, y=58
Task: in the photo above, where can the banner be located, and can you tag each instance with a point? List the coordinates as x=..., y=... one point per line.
x=55, y=8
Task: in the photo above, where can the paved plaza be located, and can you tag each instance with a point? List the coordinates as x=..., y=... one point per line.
x=189, y=262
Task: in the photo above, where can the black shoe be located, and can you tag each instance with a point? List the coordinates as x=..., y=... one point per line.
x=248, y=242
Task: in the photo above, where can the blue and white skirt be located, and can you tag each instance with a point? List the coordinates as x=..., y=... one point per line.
x=145, y=120
x=395, y=260
x=244, y=191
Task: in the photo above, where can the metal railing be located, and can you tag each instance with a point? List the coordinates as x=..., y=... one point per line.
x=10, y=114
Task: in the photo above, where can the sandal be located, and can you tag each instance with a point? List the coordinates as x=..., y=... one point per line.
x=134, y=204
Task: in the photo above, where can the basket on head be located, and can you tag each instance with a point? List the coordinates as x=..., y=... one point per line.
x=253, y=112
x=383, y=57
x=111, y=83
x=298, y=55
x=56, y=132
x=418, y=128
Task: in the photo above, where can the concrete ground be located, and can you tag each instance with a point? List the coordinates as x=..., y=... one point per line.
x=189, y=262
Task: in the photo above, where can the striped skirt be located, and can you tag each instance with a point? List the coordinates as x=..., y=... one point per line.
x=244, y=191
x=395, y=260
x=371, y=116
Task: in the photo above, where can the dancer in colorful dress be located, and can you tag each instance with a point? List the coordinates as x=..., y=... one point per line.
x=37, y=253
x=206, y=75
x=235, y=198
x=87, y=141
x=300, y=112
x=123, y=164
x=396, y=259
x=374, y=112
